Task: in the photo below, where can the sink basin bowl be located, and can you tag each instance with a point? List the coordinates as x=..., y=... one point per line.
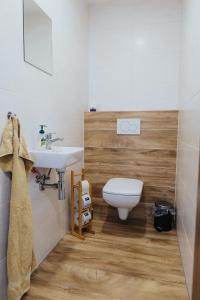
x=57, y=158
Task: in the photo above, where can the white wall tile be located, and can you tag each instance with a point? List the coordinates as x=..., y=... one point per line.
x=189, y=135
x=4, y=188
x=3, y=279
x=4, y=220
x=134, y=54
x=58, y=101
x=187, y=255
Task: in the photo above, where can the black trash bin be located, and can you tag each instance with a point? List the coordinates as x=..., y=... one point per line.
x=164, y=216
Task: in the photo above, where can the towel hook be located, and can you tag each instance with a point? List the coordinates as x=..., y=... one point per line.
x=10, y=115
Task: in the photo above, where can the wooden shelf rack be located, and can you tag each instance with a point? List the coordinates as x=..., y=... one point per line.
x=77, y=229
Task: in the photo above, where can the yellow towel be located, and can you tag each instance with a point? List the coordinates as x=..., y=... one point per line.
x=14, y=158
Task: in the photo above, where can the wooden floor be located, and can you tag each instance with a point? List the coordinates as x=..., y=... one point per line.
x=122, y=261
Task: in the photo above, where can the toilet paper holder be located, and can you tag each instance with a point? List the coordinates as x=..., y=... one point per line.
x=81, y=187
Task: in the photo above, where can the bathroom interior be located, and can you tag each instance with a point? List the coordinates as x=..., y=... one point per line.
x=115, y=85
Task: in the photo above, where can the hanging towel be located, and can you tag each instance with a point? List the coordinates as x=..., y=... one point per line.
x=14, y=158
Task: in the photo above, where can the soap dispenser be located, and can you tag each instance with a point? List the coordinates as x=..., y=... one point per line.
x=42, y=138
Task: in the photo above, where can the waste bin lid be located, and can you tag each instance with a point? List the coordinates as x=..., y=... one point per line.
x=163, y=205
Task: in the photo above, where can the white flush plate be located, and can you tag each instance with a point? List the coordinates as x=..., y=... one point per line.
x=128, y=126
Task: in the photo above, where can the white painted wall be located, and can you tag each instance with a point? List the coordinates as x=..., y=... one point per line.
x=36, y=98
x=134, y=54
x=189, y=134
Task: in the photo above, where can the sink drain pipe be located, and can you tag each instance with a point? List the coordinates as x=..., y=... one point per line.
x=42, y=180
x=61, y=184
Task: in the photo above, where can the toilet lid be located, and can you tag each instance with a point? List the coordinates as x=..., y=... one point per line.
x=123, y=186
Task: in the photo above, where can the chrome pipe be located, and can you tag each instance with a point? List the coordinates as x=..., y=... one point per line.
x=61, y=184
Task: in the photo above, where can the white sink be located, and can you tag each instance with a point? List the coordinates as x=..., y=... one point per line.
x=57, y=158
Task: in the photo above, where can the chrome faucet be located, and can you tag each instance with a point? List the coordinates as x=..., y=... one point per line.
x=50, y=140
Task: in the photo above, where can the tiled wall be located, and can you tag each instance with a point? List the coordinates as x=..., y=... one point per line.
x=189, y=135
x=37, y=98
x=150, y=156
x=4, y=209
x=134, y=54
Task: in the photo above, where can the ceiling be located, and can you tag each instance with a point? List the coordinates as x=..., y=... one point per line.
x=99, y=1
x=104, y=1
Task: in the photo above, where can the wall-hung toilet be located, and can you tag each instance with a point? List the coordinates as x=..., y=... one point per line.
x=124, y=194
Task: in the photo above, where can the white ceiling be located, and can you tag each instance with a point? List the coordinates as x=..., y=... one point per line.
x=103, y=1
x=99, y=1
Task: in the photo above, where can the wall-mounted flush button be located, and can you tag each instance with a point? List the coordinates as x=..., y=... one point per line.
x=128, y=126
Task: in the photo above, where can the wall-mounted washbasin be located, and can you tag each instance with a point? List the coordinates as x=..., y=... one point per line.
x=57, y=157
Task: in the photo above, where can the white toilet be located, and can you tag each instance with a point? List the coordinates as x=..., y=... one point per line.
x=124, y=194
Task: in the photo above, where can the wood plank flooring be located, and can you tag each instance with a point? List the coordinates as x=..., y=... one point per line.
x=122, y=261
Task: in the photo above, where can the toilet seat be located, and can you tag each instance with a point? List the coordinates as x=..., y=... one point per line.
x=124, y=194
x=123, y=186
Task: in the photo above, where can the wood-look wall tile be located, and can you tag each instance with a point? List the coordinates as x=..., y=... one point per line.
x=150, y=157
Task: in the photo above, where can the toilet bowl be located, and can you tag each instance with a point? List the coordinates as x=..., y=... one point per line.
x=124, y=194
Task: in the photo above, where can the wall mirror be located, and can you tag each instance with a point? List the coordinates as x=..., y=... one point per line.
x=37, y=37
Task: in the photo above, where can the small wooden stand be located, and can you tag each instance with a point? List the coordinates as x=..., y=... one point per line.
x=77, y=230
